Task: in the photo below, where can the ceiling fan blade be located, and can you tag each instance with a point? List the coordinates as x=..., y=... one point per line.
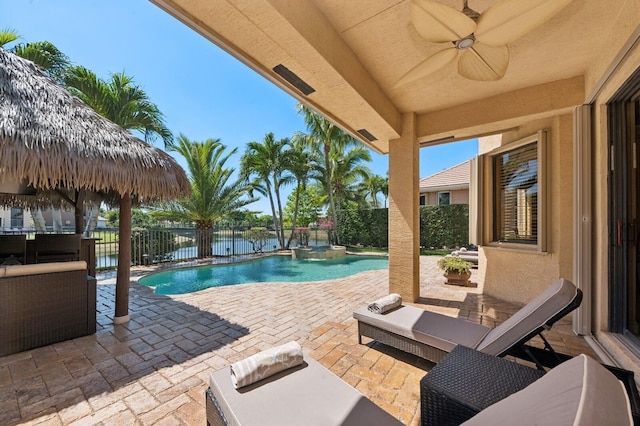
x=483, y=62
x=439, y=23
x=509, y=20
x=432, y=64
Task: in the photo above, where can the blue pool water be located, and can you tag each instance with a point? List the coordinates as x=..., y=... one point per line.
x=268, y=269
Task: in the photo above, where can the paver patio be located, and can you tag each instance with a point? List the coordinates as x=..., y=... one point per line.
x=154, y=369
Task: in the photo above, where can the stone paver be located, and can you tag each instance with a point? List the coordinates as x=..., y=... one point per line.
x=154, y=369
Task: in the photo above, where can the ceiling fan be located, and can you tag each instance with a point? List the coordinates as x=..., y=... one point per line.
x=479, y=40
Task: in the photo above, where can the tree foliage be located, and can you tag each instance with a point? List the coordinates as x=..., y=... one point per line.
x=214, y=194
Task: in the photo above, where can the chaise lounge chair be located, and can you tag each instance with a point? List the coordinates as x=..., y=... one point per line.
x=432, y=336
x=308, y=394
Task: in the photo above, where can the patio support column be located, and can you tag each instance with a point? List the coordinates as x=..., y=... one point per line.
x=404, y=214
x=124, y=261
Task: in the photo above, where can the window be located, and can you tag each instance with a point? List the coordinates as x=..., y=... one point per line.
x=518, y=193
x=17, y=218
x=444, y=198
x=423, y=200
x=516, y=196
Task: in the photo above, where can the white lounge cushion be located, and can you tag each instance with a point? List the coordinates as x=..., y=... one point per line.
x=532, y=316
x=437, y=330
x=308, y=394
x=577, y=392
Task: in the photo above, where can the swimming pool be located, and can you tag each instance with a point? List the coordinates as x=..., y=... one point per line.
x=267, y=269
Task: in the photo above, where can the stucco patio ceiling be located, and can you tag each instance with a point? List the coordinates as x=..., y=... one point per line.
x=352, y=53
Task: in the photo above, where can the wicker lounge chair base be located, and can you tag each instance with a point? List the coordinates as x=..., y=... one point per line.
x=308, y=395
x=402, y=343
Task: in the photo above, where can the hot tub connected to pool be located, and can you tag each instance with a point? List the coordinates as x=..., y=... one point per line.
x=318, y=252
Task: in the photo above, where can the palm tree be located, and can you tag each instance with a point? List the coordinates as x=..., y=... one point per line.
x=120, y=100
x=372, y=186
x=348, y=172
x=299, y=164
x=8, y=35
x=322, y=135
x=385, y=189
x=46, y=56
x=266, y=162
x=213, y=194
x=42, y=53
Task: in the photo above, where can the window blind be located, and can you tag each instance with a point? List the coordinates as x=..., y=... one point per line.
x=516, y=187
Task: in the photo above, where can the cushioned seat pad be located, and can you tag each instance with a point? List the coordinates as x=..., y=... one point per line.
x=305, y=395
x=437, y=330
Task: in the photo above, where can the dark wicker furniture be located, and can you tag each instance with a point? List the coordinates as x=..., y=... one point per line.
x=215, y=416
x=13, y=245
x=43, y=308
x=468, y=381
x=57, y=247
x=403, y=343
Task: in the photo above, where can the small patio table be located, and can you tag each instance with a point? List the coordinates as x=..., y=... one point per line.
x=467, y=381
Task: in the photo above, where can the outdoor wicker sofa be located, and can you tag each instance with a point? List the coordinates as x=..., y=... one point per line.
x=432, y=336
x=45, y=303
x=308, y=394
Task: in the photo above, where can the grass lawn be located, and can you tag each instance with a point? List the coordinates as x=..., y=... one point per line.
x=384, y=250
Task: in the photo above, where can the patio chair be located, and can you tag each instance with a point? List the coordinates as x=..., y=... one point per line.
x=13, y=245
x=432, y=336
x=57, y=247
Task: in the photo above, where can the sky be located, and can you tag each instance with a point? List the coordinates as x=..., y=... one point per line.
x=202, y=91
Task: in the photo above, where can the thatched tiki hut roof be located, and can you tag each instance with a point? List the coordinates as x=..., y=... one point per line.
x=54, y=141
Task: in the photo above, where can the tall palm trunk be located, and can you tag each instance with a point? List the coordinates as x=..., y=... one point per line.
x=280, y=218
x=295, y=214
x=204, y=237
x=56, y=217
x=92, y=221
x=38, y=221
x=332, y=205
x=273, y=213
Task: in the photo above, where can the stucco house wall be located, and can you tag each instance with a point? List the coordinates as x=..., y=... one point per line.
x=458, y=196
x=517, y=274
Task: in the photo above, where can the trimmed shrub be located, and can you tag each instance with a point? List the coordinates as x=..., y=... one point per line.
x=444, y=226
x=440, y=226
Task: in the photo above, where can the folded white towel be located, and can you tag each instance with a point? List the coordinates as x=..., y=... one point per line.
x=265, y=364
x=385, y=304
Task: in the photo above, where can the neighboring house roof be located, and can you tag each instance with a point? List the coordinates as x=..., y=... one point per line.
x=453, y=178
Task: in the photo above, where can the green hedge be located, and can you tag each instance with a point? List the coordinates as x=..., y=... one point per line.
x=369, y=228
x=444, y=226
x=440, y=226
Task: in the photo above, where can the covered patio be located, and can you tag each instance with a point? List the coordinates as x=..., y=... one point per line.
x=554, y=84
x=154, y=369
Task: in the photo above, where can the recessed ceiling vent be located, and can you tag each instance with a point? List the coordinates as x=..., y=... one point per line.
x=367, y=135
x=292, y=78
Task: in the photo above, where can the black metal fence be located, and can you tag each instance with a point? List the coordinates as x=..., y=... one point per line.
x=159, y=245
